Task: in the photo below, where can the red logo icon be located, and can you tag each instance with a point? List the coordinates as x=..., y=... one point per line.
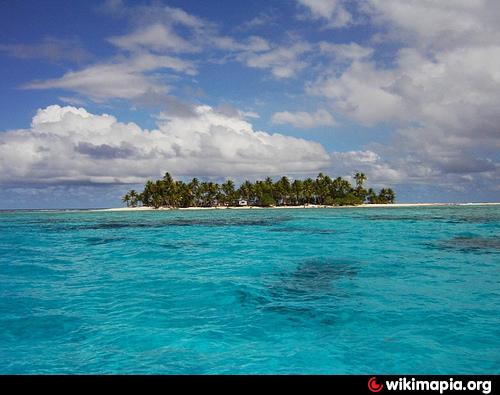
x=373, y=386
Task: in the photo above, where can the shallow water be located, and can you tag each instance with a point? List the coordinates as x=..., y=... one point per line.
x=380, y=290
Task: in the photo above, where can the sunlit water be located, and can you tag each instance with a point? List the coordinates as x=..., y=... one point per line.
x=389, y=290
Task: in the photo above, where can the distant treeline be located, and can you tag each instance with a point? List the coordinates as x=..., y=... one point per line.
x=323, y=190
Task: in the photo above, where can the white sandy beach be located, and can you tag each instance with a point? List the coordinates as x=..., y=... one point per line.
x=310, y=206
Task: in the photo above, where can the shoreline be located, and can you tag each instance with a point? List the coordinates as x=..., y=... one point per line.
x=310, y=206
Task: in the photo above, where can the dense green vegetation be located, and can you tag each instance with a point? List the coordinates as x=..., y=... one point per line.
x=323, y=190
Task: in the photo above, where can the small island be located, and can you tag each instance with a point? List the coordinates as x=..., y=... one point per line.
x=322, y=191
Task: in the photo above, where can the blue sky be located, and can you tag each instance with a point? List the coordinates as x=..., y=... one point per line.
x=98, y=96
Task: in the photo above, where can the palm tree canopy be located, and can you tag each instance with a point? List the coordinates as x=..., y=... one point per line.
x=321, y=190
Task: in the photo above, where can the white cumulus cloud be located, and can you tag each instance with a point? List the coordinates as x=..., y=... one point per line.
x=71, y=145
x=440, y=90
x=333, y=11
x=157, y=37
x=439, y=24
x=127, y=79
x=345, y=52
x=282, y=61
x=304, y=120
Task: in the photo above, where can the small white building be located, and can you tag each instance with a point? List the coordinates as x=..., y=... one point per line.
x=242, y=202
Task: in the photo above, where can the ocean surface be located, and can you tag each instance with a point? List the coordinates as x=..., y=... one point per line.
x=379, y=290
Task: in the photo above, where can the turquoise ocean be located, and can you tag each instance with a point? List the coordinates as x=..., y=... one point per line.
x=369, y=291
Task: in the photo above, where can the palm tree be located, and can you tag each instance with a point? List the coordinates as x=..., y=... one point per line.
x=298, y=190
x=147, y=194
x=229, y=196
x=169, y=192
x=360, y=179
x=184, y=195
x=322, y=186
x=167, y=178
x=157, y=200
x=372, y=196
x=282, y=190
x=126, y=199
x=134, y=197
x=264, y=192
x=360, y=192
x=211, y=194
x=340, y=188
x=268, y=186
x=308, y=188
x=194, y=188
x=247, y=191
x=386, y=195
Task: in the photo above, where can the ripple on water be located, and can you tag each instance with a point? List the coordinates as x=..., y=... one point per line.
x=172, y=222
x=316, y=275
x=182, y=244
x=218, y=292
x=451, y=218
x=306, y=230
x=468, y=244
x=103, y=240
x=29, y=270
x=310, y=290
x=43, y=327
